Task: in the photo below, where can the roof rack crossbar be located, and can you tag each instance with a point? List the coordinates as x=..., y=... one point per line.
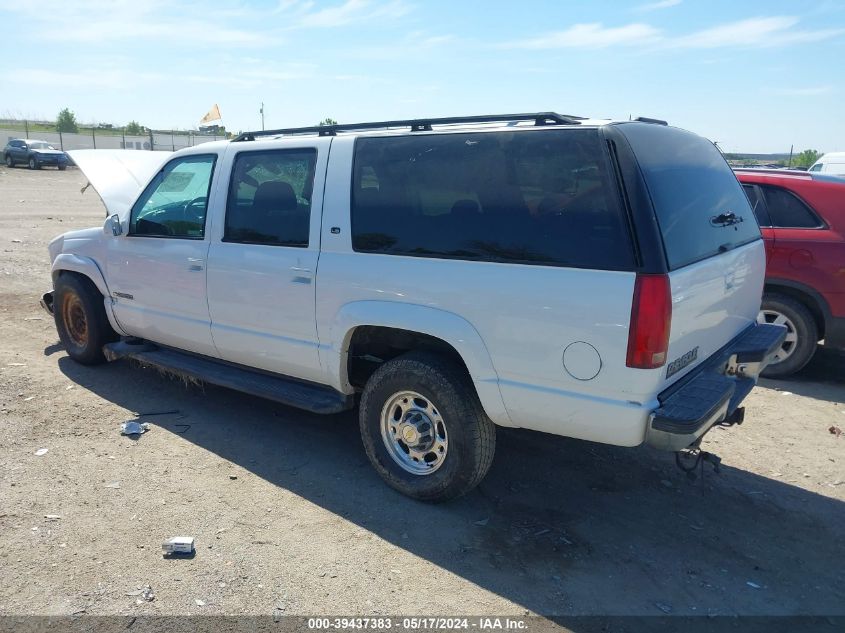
x=417, y=125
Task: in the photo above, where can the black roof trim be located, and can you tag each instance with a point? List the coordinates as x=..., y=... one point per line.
x=418, y=125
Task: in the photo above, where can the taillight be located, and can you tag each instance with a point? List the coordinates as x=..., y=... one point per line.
x=651, y=320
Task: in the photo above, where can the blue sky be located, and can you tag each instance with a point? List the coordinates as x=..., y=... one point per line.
x=755, y=76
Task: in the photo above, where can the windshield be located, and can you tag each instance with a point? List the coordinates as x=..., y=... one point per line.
x=40, y=145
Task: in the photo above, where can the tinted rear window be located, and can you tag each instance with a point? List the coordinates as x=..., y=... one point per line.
x=694, y=193
x=539, y=197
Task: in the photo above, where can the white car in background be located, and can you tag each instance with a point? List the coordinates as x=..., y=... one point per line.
x=832, y=163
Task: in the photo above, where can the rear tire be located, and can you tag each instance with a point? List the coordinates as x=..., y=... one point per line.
x=81, y=319
x=62, y=167
x=441, y=418
x=802, y=333
x=10, y=162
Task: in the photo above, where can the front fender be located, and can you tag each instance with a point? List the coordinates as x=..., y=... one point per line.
x=89, y=268
x=447, y=326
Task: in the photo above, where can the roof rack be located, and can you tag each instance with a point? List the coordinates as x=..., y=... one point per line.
x=418, y=125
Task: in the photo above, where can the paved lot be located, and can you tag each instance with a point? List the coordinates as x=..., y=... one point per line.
x=288, y=514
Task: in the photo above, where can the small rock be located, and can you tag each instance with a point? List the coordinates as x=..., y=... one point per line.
x=114, y=484
x=17, y=241
x=199, y=602
x=753, y=585
x=233, y=477
x=41, y=451
x=666, y=483
x=663, y=607
x=52, y=517
x=29, y=398
x=482, y=522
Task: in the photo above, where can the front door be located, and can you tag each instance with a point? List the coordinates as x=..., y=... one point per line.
x=157, y=271
x=262, y=262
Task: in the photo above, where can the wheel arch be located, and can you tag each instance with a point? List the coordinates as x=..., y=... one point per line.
x=802, y=293
x=433, y=328
x=69, y=263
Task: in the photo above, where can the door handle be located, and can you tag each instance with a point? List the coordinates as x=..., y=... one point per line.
x=300, y=270
x=195, y=264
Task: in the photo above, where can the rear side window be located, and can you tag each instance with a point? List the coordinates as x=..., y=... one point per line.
x=539, y=197
x=786, y=210
x=755, y=198
x=269, y=198
x=700, y=206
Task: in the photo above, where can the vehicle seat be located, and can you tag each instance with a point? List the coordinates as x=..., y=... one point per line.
x=275, y=213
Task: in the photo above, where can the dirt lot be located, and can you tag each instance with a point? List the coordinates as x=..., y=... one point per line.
x=289, y=517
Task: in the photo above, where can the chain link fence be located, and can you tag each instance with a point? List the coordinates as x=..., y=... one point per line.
x=100, y=137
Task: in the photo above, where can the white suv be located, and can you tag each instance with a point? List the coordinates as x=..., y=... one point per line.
x=584, y=278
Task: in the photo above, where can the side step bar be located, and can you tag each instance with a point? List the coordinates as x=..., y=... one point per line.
x=303, y=395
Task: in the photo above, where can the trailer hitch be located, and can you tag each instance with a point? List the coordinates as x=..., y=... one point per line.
x=692, y=458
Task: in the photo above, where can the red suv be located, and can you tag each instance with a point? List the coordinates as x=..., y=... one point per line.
x=802, y=218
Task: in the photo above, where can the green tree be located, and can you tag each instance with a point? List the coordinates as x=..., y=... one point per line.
x=134, y=128
x=805, y=158
x=327, y=121
x=66, y=121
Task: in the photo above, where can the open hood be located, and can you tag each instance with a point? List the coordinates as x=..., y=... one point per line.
x=118, y=175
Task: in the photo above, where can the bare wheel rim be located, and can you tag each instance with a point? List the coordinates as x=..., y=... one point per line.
x=790, y=342
x=73, y=315
x=414, y=433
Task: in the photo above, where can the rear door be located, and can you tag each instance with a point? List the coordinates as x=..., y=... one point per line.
x=263, y=259
x=714, y=254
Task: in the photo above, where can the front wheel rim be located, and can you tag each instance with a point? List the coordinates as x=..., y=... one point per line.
x=414, y=433
x=787, y=349
x=73, y=315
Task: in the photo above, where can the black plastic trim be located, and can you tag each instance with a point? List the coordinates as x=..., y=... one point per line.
x=647, y=234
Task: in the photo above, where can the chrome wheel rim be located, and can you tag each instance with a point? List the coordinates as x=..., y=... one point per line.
x=414, y=433
x=790, y=342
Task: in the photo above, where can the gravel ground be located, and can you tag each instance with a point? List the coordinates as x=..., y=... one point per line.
x=290, y=518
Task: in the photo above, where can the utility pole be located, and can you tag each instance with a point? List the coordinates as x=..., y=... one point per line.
x=789, y=164
x=262, y=116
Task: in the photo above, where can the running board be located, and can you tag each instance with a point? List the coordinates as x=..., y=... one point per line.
x=294, y=393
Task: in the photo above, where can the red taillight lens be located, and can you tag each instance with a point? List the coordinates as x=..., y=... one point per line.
x=651, y=320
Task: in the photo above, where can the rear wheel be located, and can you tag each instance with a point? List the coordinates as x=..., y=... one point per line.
x=424, y=429
x=10, y=162
x=81, y=319
x=62, y=167
x=802, y=334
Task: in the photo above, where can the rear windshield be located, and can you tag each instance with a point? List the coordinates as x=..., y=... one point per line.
x=532, y=197
x=701, y=208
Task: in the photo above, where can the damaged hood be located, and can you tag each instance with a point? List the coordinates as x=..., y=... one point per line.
x=118, y=175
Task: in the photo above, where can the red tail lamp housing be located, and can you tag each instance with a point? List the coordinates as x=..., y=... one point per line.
x=651, y=322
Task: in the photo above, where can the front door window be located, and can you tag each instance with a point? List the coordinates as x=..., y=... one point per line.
x=174, y=204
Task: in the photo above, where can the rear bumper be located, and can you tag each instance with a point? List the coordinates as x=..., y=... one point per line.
x=712, y=393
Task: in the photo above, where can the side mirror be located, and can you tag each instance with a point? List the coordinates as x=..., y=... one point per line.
x=113, y=225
